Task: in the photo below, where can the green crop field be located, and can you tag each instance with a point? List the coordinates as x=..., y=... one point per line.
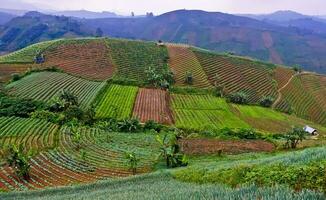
x=116, y=101
x=132, y=58
x=27, y=54
x=46, y=85
x=202, y=112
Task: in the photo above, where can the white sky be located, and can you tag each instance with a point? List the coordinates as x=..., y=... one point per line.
x=311, y=7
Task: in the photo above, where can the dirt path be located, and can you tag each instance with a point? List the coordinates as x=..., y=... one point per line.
x=279, y=97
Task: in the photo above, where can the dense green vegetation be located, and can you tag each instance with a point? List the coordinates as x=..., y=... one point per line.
x=116, y=101
x=302, y=169
x=45, y=86
x=162, y=186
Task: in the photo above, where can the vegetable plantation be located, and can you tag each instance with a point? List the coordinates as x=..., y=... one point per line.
x=116, y=101
x=45, y=86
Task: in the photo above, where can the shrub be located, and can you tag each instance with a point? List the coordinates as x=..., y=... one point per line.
x=266, y=101
x=238, y=98
x=19, y=159
x=15, y=77
x=189, y=78
x=294, y=137
x=132, y=161
x=129, y=125
x=152, y=125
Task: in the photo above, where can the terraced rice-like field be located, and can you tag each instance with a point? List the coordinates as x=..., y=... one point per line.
x=34, y=134
x=153, y=104
x=132, y=58
x=182, y=61
x=44, y=86
x=27, y=54
x=89, y=59
x=116, y=101
x=306, y=94
x=7, y=70
x=203, y=112
x=237, y=74
x=104, y=154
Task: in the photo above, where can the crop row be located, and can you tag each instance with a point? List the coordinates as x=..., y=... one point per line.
x=46, y=85
x=152, y=104
x=27, y=54
x=88, y=59
x=32, y=133
x=282, y=76
x=7, y=70
x=182, y=61
x=117, y=101
x=237, y=76
x=203, y=113
x=132, y=58
x=303, y=101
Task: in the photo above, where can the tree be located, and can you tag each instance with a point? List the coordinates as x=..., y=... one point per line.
x=99, y=32
x=129, y=125
x=76, y=137
x=170, y=151
x=266, y=101
x=297, y=68
x=293, y=137
x=132, y=14
x=239, y=98
x=132, y=161
x=19, y=159
x=68, y=98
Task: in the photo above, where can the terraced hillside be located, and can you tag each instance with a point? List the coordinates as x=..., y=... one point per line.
x=306, y=95
x=237, y=74
x=7, y=70
x=87, y=58
x=132, y=58
x=182, y=61
x=46, y=85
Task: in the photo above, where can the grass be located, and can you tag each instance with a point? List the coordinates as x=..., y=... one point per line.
x=44, y=86
x=117, y=101
x=161, y=186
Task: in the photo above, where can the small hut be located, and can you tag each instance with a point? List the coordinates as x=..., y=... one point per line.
x=310, y=130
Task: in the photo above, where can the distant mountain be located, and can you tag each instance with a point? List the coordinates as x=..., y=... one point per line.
x=34, y=27
x=86, y=14
x=279, y=16
x=224, y=32
x=5, y=17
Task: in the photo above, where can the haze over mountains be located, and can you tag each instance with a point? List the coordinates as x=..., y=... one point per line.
x=283, y=37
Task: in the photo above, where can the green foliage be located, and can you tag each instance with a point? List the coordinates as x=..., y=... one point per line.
x=266, y=101
x=10, y=106
x=238, y=98
x=129, y=125
x=19, y=159
x=189, y=78
x=132, y=161
x=162, y=78
x=68, y=98
x=294, y=137
x=152, y=125
x=170, y=151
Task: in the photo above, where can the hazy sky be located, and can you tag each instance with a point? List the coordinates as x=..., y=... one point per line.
x=312, y=7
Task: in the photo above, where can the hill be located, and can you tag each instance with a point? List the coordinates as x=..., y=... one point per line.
x=34, y=27
x=81, y=115
x=5, y=17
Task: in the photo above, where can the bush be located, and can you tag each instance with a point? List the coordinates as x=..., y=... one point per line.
x=189, y=78
x=129, y=125
x=152, y=125
x=294, y=137
x=238, y=98
x=15, y=77
x=266, y=101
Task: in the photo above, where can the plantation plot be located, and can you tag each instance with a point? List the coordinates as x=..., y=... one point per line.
x=204, y=112
x=306, y=94
x=132, y=58
x=87, y=58
x=237, y=74
x=46, y=85
x=153, y=104
x=182, y=61
x=117, y=101
x=31, y=133
x=26, y=55
x=7, y=70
